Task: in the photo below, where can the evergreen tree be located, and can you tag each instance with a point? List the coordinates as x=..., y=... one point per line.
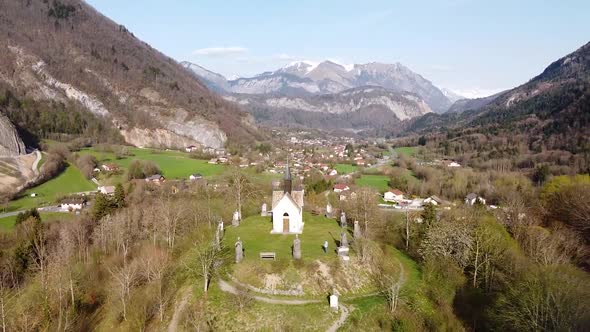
x=119, y=199
x=102, y=206
x=429, y=214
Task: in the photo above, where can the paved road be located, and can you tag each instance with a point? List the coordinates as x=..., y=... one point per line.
x=54, y=208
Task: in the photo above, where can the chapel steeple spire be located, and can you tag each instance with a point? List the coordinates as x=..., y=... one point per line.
x=287, y=181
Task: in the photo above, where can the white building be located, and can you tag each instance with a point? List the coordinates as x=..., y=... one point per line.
x=393, y=195
x=287, y=208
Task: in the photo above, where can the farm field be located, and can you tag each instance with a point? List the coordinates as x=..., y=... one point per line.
x=69, y=181
x=407, y=150
x=377, y=182
x=7, y=223
x=345, y=168
x=174, y=164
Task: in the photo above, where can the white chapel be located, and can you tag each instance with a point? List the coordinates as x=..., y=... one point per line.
x=287, y=207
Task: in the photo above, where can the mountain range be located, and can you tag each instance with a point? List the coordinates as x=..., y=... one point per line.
x=66, y=70
x=368, y=95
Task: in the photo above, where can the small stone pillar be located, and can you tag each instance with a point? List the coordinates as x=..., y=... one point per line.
x=239, y=250
x=343, y=219
x=334, y=300
x=329, y=210
x=357, y=230
x=263, y=210
x=343, y=240
x=236, y=219
x=297, y=247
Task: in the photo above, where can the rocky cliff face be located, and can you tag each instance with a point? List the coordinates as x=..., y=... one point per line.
x=10, y=143
x=81, y=59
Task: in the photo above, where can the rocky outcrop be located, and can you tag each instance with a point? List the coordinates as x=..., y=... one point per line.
x=10, y=143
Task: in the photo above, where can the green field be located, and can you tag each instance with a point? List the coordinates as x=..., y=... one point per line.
x=174, y=164
x=378, y=182
x=255, y=235
x=407, y=150
x=7, y=223
x=345, y=168
x=69, y=181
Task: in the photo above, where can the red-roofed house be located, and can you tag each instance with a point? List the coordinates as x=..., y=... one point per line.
x=340, y=187
x=393, y=195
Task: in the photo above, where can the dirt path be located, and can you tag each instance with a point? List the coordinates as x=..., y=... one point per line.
x=344, y=312
x=179, y=309
x=36, y=162
x=229, y=288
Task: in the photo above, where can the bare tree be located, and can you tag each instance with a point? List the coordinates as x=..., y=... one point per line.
x=124, y=278
x=240, y=188
x=154, y=263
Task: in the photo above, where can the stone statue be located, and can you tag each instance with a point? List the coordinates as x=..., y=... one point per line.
x=263, y=211
x=236, y=219
x=343, y=219
x=297, y=247
x=357, y=230
x=239, y=251
x=329, y=210
x=220, y=226
x=343, y=240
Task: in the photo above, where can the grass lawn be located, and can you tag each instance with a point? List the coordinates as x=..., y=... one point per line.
x=69, y=181
x=407, y=150
x=378, y=182
x=7, y=224
x=345, y=168
x=255, y=235
x=174, y=164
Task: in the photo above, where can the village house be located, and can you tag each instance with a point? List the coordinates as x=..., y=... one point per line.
x=107, y=190
x=156, y=178
x=340, y=187
x=393, y=195
x=110, y=167
x=434, y=200
x=195, y=177
x=472, y=198
x=191, y=148
x=72, y=204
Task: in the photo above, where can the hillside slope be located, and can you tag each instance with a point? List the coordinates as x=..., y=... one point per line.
x=552, y=109
x=66, y=55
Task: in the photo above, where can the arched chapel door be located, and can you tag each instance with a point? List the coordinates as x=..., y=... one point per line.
x=286, y=223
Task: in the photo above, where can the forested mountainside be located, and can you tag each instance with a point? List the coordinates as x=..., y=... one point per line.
x=551, y=112
x=67, y=71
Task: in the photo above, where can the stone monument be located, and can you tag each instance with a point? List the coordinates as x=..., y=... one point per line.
x=343, y=219
x=357, y=230
x=329, y=210
x=297, y=247
x=343, y=240
x=239, y=251
x=236, y=219
x=334, y=300
x=263, y=210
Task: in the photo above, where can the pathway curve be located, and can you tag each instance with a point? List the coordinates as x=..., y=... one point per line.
x=36, y=162
x=344, y=312
x=179, y=309
x=229, y=288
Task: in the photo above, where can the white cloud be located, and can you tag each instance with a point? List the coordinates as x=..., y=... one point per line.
x=285, y=57
x=220, y=51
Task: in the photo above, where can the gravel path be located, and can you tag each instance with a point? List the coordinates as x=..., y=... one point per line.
x=36, y=162
x=344, y=312
x=179, y=309
x=229, y=288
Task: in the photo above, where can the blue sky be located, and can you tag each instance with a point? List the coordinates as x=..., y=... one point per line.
x=469, y=46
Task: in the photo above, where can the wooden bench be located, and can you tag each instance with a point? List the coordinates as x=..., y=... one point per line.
x=268, y=255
